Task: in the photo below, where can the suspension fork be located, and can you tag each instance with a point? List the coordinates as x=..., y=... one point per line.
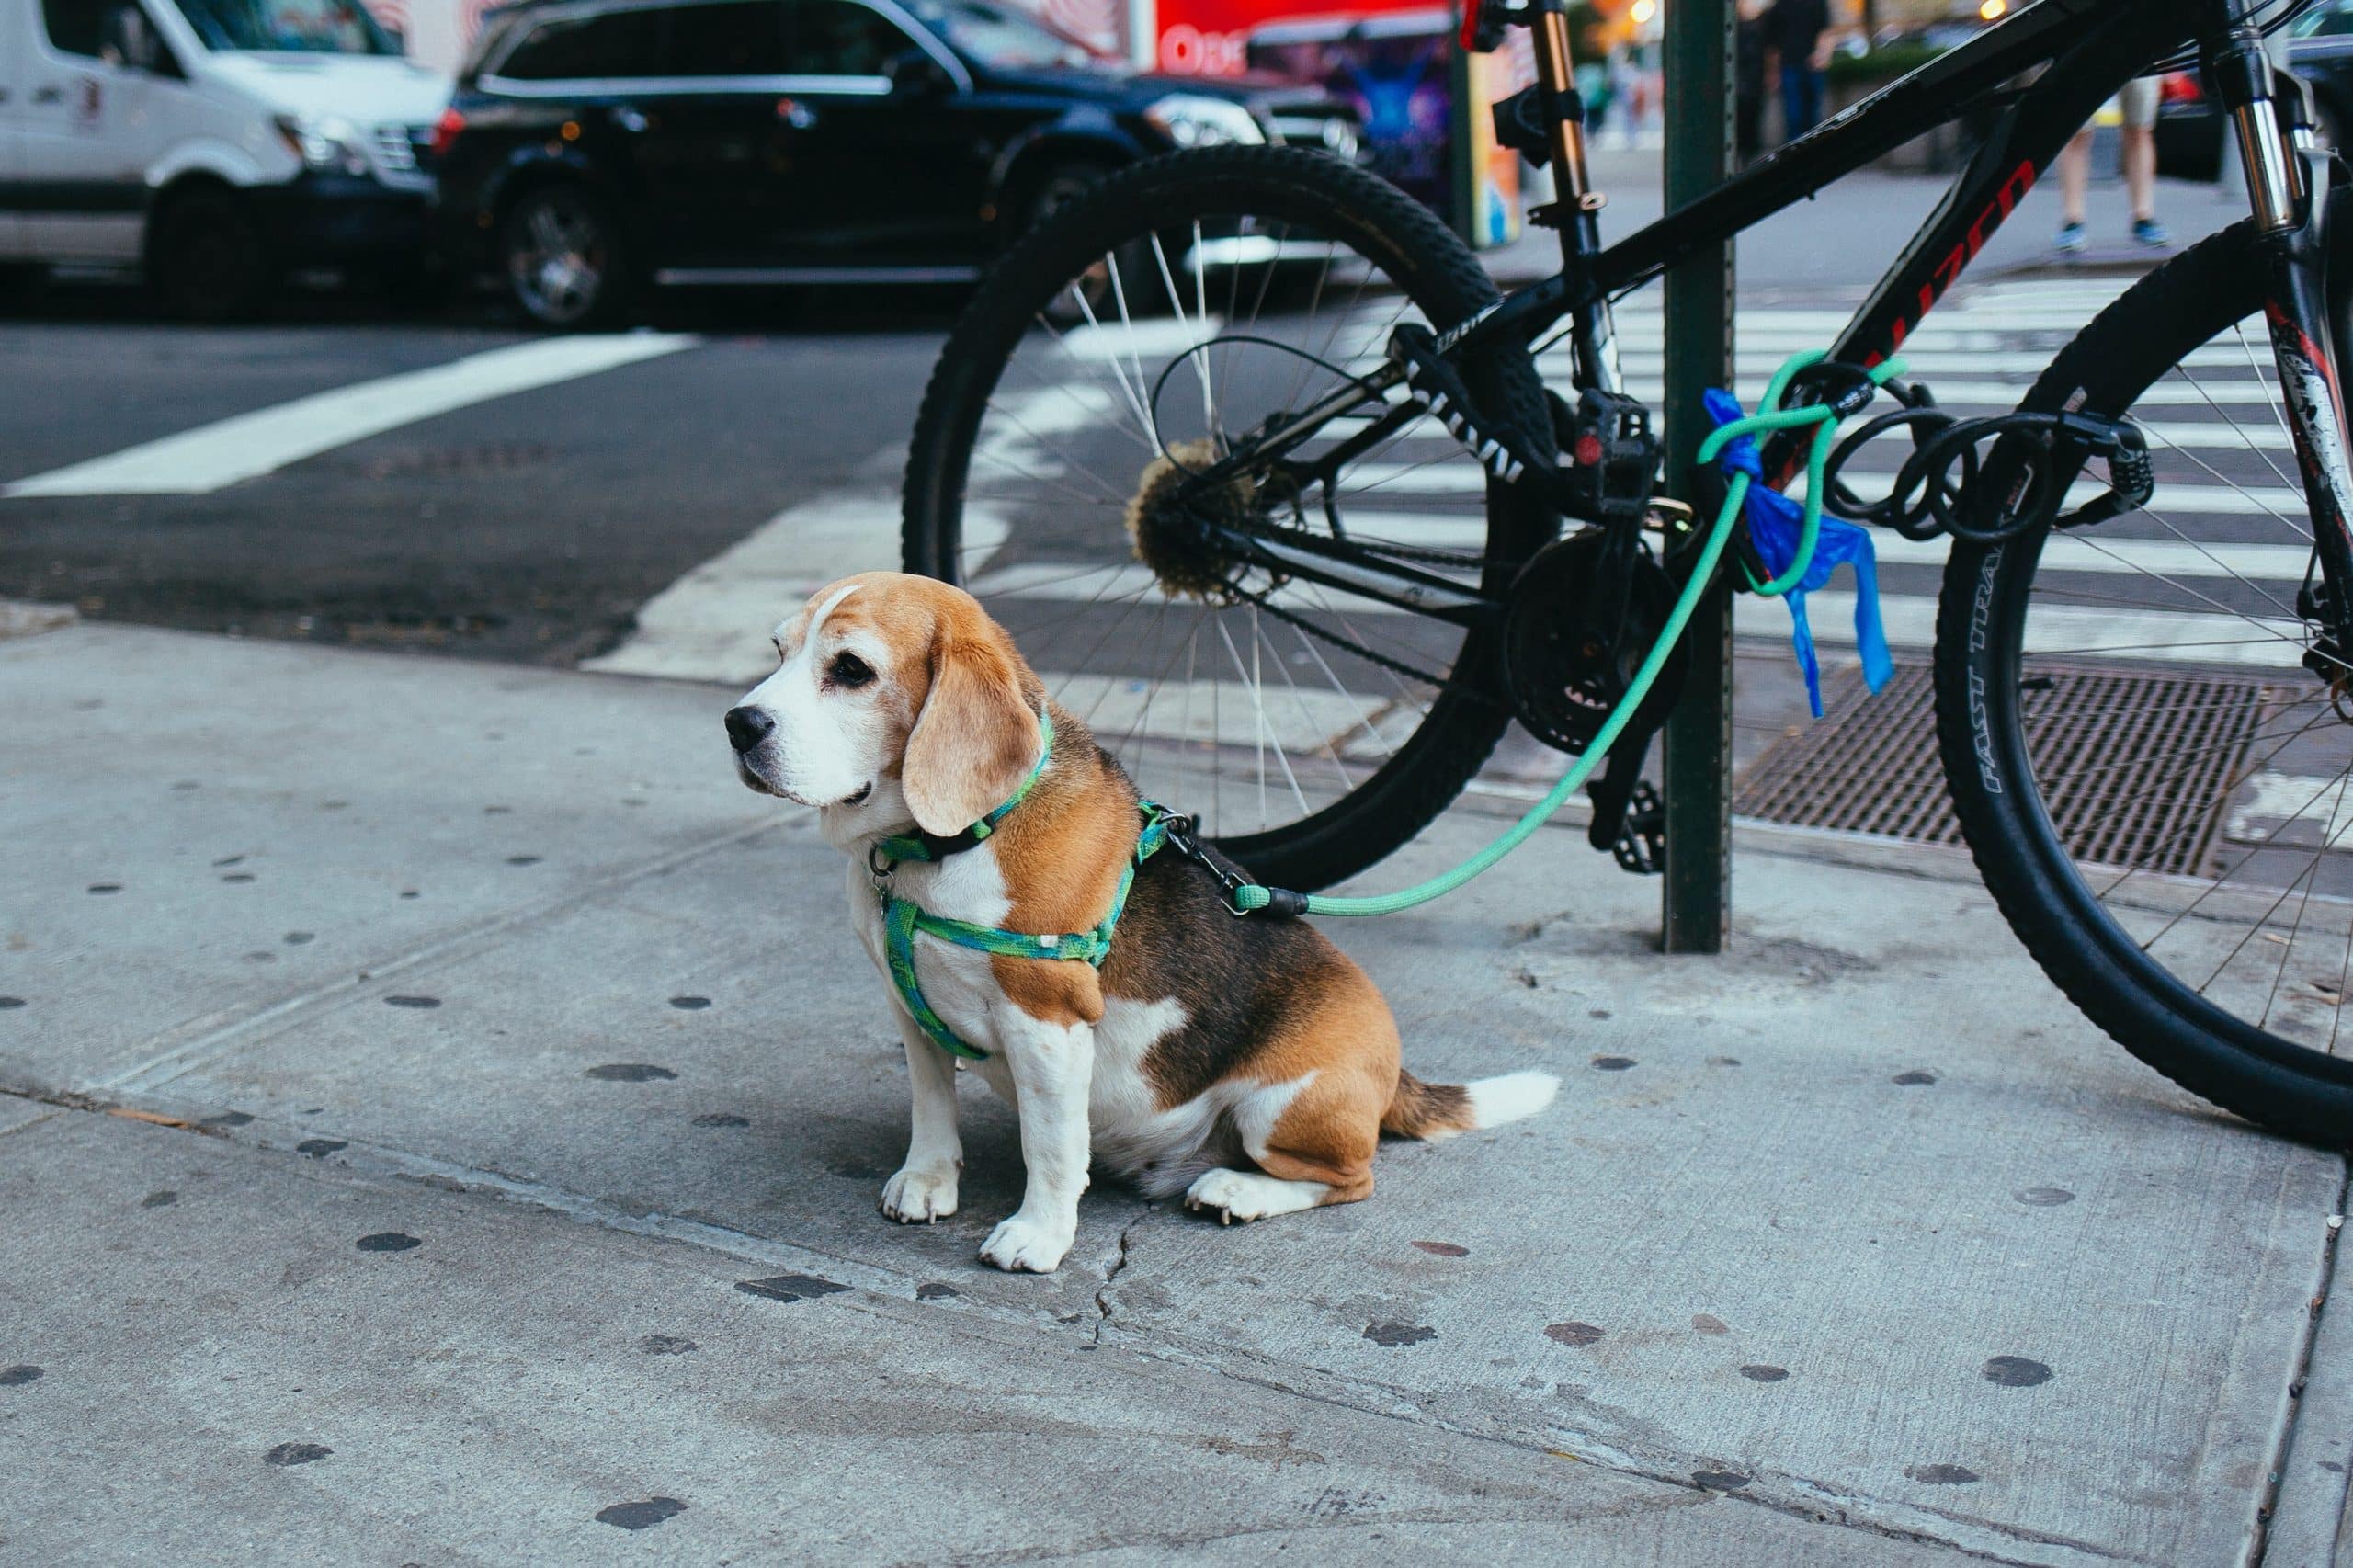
x=1576, y=205
x=2290, y=208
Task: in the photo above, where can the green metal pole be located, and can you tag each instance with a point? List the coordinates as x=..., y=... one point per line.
x=1699, y=107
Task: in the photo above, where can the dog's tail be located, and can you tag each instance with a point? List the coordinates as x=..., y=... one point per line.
x=1432, y=1111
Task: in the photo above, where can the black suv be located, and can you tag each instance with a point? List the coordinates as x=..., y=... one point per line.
x=594, y=146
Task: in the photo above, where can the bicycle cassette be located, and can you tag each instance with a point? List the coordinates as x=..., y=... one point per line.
x=1583, y=615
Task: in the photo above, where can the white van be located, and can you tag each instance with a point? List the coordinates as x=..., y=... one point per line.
x=212, y=143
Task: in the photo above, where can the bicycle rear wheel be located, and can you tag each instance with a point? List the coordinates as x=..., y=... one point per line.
x=2157, y=790
x=1147, y=326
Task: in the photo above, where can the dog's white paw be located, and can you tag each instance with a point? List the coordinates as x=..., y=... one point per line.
x=1025, y=1246
x=1247, y=1195
x=915, y=1198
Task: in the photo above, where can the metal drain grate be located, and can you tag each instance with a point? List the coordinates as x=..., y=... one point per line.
x=2136, y=765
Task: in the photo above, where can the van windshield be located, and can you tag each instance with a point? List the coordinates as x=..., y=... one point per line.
x=287, y=27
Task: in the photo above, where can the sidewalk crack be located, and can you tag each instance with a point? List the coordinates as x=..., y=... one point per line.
x=2299, y=1369
x=1119, y=1263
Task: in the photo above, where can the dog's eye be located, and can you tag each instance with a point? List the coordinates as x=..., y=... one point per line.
x=849, y=671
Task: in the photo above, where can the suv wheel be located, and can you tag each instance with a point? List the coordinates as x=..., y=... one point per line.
x=1064, y=183
x=560, y=248
x=206, y=257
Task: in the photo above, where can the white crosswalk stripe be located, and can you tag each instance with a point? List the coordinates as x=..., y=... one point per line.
x=214, y=455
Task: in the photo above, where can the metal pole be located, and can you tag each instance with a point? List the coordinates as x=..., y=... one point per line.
x=1699, y=107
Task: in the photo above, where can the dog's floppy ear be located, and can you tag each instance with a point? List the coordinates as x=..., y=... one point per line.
x=975, y=740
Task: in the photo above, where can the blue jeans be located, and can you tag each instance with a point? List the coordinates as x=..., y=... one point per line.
x=1800, y=100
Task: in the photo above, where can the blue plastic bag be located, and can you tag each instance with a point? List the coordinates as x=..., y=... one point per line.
x=1776, y=524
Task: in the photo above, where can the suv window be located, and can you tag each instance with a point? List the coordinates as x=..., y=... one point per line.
x=2328, y=21
x=840, y=38
x=731, y=38
x=612, y=43
x=75, y=27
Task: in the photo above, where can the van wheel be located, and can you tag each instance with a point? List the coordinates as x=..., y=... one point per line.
x=207, y=258
x=560, y=250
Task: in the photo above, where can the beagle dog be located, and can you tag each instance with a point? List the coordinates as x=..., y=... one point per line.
x=1247, y=1063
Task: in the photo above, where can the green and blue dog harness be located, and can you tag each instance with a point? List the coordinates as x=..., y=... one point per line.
x=902, y=918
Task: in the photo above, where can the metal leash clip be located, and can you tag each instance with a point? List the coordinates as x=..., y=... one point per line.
x=1230, y=878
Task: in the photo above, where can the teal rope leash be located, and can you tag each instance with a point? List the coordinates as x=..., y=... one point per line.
x=1770, y=417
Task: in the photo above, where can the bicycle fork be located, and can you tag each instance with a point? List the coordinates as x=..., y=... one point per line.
x=2290, y=208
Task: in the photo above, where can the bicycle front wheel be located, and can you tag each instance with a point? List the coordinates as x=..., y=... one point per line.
x=2156, y=788
x=1146, y=328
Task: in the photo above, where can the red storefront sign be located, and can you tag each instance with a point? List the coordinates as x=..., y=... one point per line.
x=1212, y=37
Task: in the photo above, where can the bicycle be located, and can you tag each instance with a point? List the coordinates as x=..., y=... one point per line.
x=1230, y=351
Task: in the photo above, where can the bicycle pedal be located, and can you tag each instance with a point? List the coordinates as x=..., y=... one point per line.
x=1641, y=847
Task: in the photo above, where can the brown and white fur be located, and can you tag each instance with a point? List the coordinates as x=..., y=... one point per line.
x=1247, y=1063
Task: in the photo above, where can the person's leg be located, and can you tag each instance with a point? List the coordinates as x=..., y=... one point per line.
x=1794, y=122
x=1806, y=109
x=2075, y=177
x=2141, y=170
x=2140, y=103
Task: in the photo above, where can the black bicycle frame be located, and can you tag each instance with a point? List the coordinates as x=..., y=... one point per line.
x=2034, y=79
x=2091, y=48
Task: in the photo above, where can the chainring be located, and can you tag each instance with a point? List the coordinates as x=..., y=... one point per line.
x=1577, y=626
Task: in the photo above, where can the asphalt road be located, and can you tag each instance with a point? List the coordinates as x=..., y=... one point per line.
x=528, y=527
x=533, y=525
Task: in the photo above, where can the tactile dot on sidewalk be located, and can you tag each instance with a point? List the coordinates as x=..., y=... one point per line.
x=643, y=1514
x=1943, y=1475
x=296, y=1453
x=388, y=1240
x=2015, y=1372
x=1396, y=1334
x=790, y=1287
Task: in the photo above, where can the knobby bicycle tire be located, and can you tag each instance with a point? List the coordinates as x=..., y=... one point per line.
x=1444, y=280
x=2152, y=1014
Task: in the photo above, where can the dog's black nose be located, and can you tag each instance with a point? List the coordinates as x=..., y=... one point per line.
x=747, y=727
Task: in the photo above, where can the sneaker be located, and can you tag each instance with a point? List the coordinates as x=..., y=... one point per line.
x=2069, y=238
x=2149, y=231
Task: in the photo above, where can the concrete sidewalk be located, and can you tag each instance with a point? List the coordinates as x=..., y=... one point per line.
x=448, y=1113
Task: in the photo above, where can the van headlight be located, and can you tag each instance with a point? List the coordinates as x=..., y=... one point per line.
x=1190, y=121
x=326, y=143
